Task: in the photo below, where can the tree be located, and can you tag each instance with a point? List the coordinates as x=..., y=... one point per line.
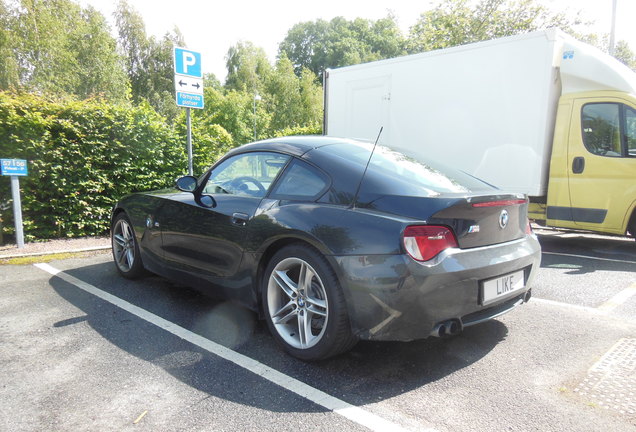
x=457, y=22
x=100, y=68
x=625, y=55
x=56, y=58
x=292, y=101
x=622, y=51
x=133, y=44
x=233, y=111
x=9, y=75
x=148, y=60
x=311, y=100
x=283, y=95
x=318, y=45
x=247, y=68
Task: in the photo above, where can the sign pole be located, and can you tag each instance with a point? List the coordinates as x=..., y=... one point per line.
x=17, y=210
x=189, y=142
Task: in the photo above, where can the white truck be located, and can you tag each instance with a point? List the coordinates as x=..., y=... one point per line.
x=539, y=113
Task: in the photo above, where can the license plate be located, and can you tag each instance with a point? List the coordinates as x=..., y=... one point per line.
x=502, y=286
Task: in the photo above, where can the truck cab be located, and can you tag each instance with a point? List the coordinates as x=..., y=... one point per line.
x=593, y=166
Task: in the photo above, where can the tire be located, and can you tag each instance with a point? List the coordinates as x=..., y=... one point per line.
x=308, y=319
x=125, y=248
x=631, y=228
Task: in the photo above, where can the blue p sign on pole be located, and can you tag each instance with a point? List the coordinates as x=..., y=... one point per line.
x=187, y=63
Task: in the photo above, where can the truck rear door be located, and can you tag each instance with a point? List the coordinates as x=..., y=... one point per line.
x=365, y=110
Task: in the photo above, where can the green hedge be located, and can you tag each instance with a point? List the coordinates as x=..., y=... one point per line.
x=82, y=156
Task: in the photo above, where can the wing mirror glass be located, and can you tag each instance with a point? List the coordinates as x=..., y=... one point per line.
x=187, y=183
x=207, y=201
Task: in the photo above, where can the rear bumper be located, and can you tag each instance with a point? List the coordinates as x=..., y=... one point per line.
x=392, y=297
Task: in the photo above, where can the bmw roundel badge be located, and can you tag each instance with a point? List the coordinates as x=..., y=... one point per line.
x=503, y=219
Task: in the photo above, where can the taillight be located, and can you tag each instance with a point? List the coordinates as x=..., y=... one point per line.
x=528, y=228
x=423, y=242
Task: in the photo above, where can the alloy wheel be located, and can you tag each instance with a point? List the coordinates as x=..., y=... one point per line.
x=124, y=245
x=297, y=303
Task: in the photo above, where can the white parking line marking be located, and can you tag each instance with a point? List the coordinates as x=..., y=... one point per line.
x=351, y=412
x=618, y=299
x=590, y=257
x=567, y=305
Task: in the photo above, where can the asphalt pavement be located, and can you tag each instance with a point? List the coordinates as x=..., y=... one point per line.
x=87, y=350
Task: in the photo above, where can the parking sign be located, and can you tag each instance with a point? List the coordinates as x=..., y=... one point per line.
x=187, y=63
x=188, y=80
x=13, y=167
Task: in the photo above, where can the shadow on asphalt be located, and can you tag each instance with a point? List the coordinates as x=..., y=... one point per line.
x=586, y=253
x=371, y=372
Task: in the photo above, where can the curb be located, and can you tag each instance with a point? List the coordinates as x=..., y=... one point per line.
x=24, y=255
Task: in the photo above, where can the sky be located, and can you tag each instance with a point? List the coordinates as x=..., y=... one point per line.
x=212, y=27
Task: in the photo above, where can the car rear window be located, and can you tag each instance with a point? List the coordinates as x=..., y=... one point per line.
x=392, y=172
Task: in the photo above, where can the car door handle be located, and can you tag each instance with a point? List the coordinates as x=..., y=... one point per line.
x=578, y=165
x=239, y=219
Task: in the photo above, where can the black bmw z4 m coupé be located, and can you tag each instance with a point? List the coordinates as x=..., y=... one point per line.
x=331, y=241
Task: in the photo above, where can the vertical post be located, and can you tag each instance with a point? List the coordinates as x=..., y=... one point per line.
x=257, y=97
x=189, y=142
x=17, y=211
x=612, y=42
x=325, y=101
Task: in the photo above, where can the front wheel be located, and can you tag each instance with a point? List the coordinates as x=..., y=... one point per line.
x=125, y=248
x=304, y=305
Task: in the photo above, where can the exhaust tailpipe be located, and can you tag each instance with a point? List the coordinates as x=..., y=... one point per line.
x=447, y=328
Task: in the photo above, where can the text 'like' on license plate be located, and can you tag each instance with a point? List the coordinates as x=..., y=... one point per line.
x=501, y=286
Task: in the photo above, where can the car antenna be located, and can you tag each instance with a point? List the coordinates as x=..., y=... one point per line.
x=355, y=198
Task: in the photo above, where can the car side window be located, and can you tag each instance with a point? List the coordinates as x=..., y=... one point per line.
x=301, y=181
x=248, y=174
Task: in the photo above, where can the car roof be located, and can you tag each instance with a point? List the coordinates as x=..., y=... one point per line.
x=294, y=145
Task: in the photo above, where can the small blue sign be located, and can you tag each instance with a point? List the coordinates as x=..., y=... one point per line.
x=187, y=63
x=13, y=167
x=189, y=100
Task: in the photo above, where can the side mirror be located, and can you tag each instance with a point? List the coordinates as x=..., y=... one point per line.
x=206, y=201
x=187, y=183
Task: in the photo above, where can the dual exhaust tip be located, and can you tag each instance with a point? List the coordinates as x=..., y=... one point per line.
x=447, y=328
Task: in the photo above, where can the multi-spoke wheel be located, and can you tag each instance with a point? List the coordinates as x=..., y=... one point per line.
x=304, y=305
x=125, y=249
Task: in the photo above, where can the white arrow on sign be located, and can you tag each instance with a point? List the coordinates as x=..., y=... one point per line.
x=188, y=84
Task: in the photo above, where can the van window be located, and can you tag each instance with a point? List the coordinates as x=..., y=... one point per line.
x=609, y=129
x=630, y=131
x=601, y=129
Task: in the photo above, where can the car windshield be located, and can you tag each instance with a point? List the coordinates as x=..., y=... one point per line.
x=396, y=173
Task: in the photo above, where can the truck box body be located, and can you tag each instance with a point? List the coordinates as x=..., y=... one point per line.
x=487, y=108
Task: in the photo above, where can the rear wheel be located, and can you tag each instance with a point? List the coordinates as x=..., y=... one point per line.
x=304, y=305
x=125, y=248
